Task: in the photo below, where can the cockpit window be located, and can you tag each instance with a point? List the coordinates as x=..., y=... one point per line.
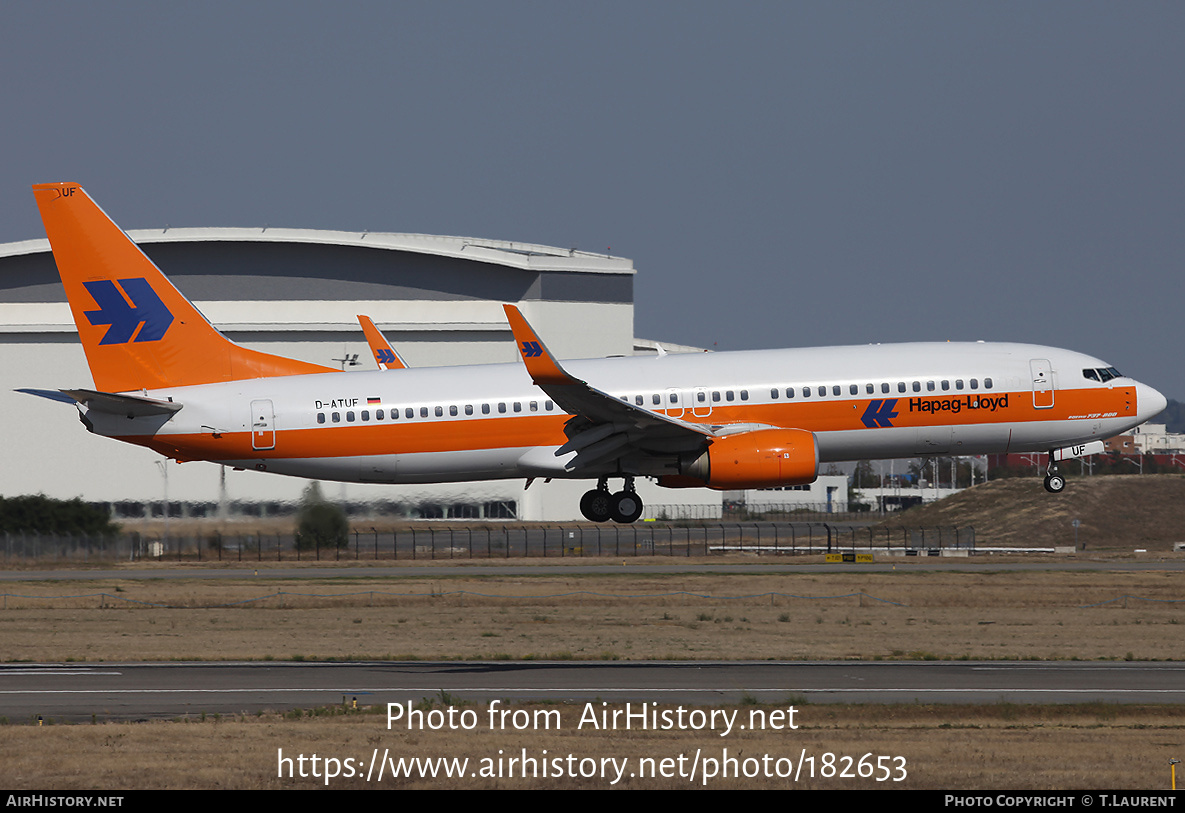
x=1090, y=374
x=1107, y=374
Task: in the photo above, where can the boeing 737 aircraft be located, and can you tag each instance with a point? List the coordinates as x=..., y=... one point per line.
x=166, y=379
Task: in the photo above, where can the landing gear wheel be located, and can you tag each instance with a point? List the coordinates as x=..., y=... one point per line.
x=626, y=507
x=595, y=505
x=1055, y=483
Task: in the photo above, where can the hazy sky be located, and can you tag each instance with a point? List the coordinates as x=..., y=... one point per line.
x=782, y=174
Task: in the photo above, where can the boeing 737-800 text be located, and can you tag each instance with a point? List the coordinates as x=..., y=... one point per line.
x=166, y=379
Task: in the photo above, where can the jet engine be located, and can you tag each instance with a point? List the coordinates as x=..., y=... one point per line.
x=763, y=458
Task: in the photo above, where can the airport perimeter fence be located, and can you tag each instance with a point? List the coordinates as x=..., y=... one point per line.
x=493, y=541
x=835, y=511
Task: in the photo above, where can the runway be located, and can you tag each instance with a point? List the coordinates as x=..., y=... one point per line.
x=74, y=692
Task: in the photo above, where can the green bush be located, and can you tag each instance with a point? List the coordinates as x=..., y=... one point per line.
x=320, y=524
x=46, y=515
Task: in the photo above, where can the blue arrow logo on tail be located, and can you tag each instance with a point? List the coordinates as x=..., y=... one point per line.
x=532, y=349
x=879, y=413
x=384, y=356
x=114, y=310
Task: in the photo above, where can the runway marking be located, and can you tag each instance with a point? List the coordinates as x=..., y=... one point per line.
x=41, y=672
x=495, y=690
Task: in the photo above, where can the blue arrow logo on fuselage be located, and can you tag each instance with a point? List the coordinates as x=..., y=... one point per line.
x=146, y=308
x=879, y=412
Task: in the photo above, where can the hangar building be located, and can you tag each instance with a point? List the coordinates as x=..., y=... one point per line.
x=297, y=293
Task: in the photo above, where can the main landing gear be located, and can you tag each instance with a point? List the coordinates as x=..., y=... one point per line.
x=599, y=505
x=1054, y=482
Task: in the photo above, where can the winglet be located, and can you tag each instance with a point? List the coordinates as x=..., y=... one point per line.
x=541, y=364
x=384, y=353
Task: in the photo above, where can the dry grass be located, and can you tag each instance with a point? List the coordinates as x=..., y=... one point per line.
x=981, y=747
x=1116, y=512
x=632, y=616
x=1001, y=615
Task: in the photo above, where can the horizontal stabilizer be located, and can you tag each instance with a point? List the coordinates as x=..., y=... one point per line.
x=53, y=395
x=132, y=406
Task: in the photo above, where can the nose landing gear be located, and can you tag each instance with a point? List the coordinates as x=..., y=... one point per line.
x=1054, y=482
x=598, y=505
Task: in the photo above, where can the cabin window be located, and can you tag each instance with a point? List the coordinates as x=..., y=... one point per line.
x=958, y=383
x=656, y=399
x=547, y=405
x=502, y=407
x=349, y=417
x=789, y=392
x=534, y=406
x=773, y=394
x=716, y=395
x=870, y=388
x=485, y=409
x=945, y=384
x=822, y=392
x=320, y=417
x=929, y=386
x=806, y=392
x=518, y=406
x=917, y=386
x=744, y=395
x=337, y=417
x=701, y=397
x=468, y=409
x=987, y=383
x=900, y=386
x=853, y=390
x=378, y=414
x=452, y=410
x=366, y=414
x=974, y=384
x=885, y=386
x=638, y=400
x=409, y=413
x=728, y=396
x=835, y=389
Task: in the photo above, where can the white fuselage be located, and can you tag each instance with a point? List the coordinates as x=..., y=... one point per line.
x=490, y=421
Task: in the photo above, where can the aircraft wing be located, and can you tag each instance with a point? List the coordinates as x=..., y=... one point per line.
x=604, y=426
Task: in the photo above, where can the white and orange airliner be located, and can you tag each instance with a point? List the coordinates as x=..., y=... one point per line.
x=166, y=379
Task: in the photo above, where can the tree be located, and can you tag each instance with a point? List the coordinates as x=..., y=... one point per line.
x=320, y=524
x=42, y=514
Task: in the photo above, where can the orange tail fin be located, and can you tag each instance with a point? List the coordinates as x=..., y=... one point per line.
x=139, y=332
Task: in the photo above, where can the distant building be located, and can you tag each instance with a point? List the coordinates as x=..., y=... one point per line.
x=1154, y=438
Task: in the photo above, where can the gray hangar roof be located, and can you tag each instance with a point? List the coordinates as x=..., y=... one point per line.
x=310, y=264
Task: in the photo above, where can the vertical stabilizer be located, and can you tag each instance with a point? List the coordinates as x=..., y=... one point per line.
x=139, y=332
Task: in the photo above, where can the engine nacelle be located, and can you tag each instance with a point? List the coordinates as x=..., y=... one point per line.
x=760, y=459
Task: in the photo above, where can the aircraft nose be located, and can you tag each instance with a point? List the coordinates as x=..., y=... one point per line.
x=1149, y=402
